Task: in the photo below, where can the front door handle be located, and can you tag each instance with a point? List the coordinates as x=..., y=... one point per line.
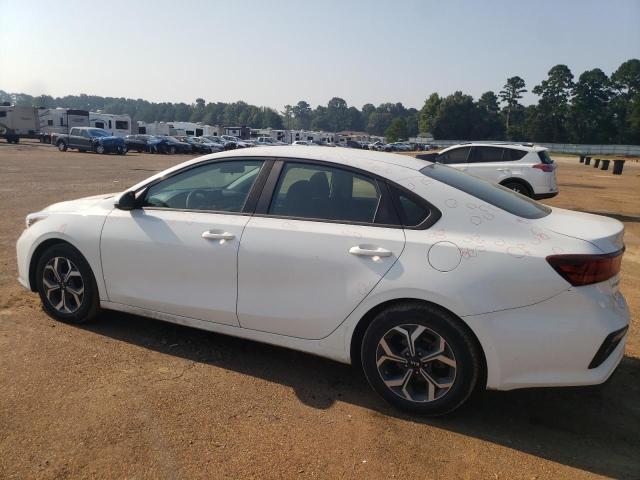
x=211, y=235
x=369, y=251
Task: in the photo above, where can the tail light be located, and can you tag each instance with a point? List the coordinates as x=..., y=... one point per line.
x=545, y=167
x=586, y=269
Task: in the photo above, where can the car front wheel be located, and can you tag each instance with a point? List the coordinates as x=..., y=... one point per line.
x=421, y=359
x=66, y=285
x=100, y=148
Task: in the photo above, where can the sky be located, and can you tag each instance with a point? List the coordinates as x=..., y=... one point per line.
x=279, y=52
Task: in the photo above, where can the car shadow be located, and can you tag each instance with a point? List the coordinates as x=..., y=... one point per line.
x=592, y=429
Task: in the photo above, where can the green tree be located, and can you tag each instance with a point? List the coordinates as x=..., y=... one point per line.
x=456, y=118
x=303, y=115
x=288, y=116
x=589, y=119
x=337, y=114
x=510, y=94
x=553, y=107
x=428, y=113
x=489, y=125
x=397, y=130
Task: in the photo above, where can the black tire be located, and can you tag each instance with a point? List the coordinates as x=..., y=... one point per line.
x=518, y=187
x=172, y=150
x=62, y=146
x=90, y=302
x=461, y=349
x=100, y=149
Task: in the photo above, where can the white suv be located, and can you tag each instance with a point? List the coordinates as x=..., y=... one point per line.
x=524, y=168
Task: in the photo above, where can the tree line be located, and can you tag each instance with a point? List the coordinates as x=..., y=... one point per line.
x=594, y=108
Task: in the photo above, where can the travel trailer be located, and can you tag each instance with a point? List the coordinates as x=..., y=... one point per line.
x=60, y=120
x=116, y=125
x=16, y=122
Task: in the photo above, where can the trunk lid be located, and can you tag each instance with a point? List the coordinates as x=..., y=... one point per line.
x=603, y=232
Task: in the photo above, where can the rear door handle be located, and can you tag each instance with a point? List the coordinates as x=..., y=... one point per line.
x=369, y=251
x=212, y=235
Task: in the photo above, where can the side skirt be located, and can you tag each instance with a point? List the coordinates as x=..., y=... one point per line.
x=322, y=348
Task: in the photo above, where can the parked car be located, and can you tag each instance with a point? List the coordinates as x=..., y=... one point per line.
x=268, y=142
x=198, y=146
x=302, y=143
x=137, y=142
x=378, y=146
x=91, y=139
x=437, y=283
x=239, y=143
x=523, y=168
x=171, y=145
x=214, y=147
x=352, y=144
x=226, y=145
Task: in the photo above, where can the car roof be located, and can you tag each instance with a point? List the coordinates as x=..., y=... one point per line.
x=516, y=146
x=390, y=165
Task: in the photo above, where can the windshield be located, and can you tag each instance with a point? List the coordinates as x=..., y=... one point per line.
x=495, y=195
x=172, y=139
x=98, y=132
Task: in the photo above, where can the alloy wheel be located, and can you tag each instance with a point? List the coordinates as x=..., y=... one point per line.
x=63, y=284
x=416, y=363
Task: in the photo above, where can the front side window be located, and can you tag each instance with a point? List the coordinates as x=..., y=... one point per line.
x=219, y=186
x=325, y=193
x=457, y=155
x=122, y=125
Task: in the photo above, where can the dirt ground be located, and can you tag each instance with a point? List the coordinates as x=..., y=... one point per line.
x=128, y=397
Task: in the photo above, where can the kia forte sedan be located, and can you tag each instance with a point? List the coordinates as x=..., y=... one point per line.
x=435, y=282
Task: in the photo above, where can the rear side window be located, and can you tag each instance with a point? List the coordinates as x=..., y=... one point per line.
x=495, y=195
x=457, y=155
x=486, y=154
x=325, y=193
x=513, y=154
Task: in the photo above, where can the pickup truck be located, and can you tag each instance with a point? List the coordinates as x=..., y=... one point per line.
x=90, y=139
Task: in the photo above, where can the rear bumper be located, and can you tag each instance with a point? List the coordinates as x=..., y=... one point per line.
x=542, y=196
x=555, y=342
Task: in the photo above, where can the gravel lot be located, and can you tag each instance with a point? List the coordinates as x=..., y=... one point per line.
x=128, y=397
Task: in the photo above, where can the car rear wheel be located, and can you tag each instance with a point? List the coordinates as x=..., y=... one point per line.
x=172, y=150
x=421, y=359
x=66, y=285
x=518, y=188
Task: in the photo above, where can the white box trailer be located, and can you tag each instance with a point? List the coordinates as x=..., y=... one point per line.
x=60, y=120
x=16, y=122
x=117, y=125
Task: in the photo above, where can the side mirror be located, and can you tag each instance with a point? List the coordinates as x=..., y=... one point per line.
x=127, y=201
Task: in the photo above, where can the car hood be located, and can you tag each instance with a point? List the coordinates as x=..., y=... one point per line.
x=604, y=232
x=80, y=204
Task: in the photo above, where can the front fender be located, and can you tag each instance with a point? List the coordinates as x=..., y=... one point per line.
x=82, y=231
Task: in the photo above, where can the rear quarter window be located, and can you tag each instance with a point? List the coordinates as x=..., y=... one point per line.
x=513, y=154
x=490, y=193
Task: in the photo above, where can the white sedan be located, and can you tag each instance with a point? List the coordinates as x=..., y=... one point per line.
x=436, y=282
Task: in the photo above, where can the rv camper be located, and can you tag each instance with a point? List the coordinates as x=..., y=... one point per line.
x=117, y=125
x=53, y=121
x=16, y=122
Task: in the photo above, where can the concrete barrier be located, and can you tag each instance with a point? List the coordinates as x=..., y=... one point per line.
x=587, y=160
x=605, y=164
x=596, y=163
x=581, y=158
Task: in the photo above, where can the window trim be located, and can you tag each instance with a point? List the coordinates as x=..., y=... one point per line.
x=268, y=191
x=249, y=204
